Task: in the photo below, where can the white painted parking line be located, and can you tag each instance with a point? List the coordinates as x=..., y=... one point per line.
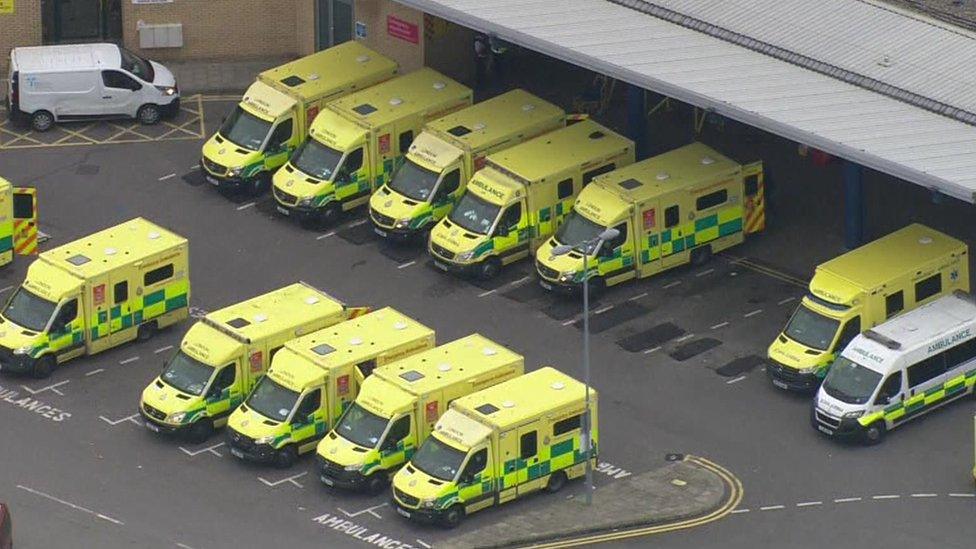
x=736, y=380
x=671, y=285
x=209, y=449
x=737, y=511
x=570, y=321
x=522, y=280
x=651, y=350
x=129, y=360
x=602, y=310
x=6, y=289
x=405, y=265
x=684, y=338
x=955, y=495
x=169, y=176
x=290, y=479
x=424, y=543
x=785, y=301
x=93, y=372
x=183, y=546
x=52, y=388
x=720, y=325
x=846, y=500
x=809, y=503
x=772, y=508
x=925, y=495
x=246, y=206
x=370, y=510
x=133, y=419
x=486, y=294
x=886, y=496
x=197, y=312
x=638, y=296
x=195, y=167
x=356, y=223
x=162, y=349
x=705, y=273
x=326, y=235
x=71, y=505
x=753, y=313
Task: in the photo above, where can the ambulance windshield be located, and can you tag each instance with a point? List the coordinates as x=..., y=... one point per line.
x=474, y=214
x=811, y=329
x=413, y=181
x=578, y=231
x=245, y=130
x=361, y=426
x=316, y=159
x=850, y=382
x=29, y=310
x=271, y=400
x=187, y=374
x=438, y=459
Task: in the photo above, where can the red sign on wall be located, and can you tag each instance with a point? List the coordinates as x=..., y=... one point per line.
x=404, y=30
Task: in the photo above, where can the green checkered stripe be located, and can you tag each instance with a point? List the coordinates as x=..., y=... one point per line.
x=7, y=238
x=920, y=402
x=489, y=245
x=321, y=428
x=393, y=458
x=700, y=231
x=138, y=310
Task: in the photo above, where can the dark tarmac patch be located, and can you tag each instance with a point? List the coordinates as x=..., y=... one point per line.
x=739, y=366
x=507, y=275
x=268, y=207
x=357, y=235
x=648, y=339
x=194, y=178
x=87, y=169
x=401, y=253
x=614, y=317
x=694, y=348
x=564, y=307
x=526, y=292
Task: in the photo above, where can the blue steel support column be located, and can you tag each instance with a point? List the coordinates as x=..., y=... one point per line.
x=637, y=119
x=853, y=204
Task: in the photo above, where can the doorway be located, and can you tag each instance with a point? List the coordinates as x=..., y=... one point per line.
x=66, y=21
x=334, y=22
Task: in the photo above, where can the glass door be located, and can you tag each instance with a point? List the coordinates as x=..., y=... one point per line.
x=334, y=21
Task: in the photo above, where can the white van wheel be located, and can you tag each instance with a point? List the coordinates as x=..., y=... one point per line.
x=149, y=114
x=875, y=433
x=42, y=121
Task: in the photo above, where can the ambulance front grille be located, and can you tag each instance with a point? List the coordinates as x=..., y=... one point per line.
x=406, y=498
x=547, y=272
x=285, y=198
x=827, y=420
x=380, y=219
x=214, y=167
x=238, y=440
x=154, y=413
x=441, y=251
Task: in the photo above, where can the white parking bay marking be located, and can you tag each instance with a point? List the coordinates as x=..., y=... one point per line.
x=52, y=388
x=71, y=505
x=168, y=176
x=129, y=360
x=162, y=349
x=290, y=479
x=370, y=510
x=210, y=449
x=246, y=206
x=134, y=418
x=93, y=372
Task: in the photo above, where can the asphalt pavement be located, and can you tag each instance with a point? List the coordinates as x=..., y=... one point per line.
x=677, y=359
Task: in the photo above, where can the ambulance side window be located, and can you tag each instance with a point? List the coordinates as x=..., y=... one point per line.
x=281, y=135
x=398, y=431
x=226, y=377
x=564, y=189
x=406, y=138
x=23, y=206
x=158, y=275
x=894, y=303
x=927, y=288
x=353, y=162
x=930, y=368
x=961, y=354
x=449, y=184
x=588, y=176
x=712, y=199
x=475, y=465
x=528, y=445
x=309, y=404
x=120, y=292
x=610, y=245
x=566, y=425
x=67, y=313
x=671, y=216
x=851, y=329
x=890, y=389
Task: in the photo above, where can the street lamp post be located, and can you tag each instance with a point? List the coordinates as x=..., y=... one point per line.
x=562, y=249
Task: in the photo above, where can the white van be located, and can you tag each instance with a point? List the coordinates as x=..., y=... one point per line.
x=49, y=84
x=900, y=370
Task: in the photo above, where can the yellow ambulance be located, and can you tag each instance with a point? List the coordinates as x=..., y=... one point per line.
x=314, y=379
x=93, y=294
x=497, y=445
x=399, y=404
x=446, y=154
x=275, y=113
x=669, y=210
x=226, y=352
x=356, y=143
x=521, y=195
x=859, y=290
x=18, y=221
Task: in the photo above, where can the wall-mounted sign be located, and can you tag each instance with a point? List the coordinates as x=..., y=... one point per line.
x=360, y=30
x=404, y=30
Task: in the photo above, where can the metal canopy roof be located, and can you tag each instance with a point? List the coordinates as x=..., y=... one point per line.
x=852, y=122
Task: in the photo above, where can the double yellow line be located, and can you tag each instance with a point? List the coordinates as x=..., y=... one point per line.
x=735, y=492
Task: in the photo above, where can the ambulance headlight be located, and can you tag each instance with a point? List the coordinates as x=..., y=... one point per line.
x=466, y=256
x=353, y=467
x=264, y=440
x=305, y=202
x=428, y=503
x=809, y=371
x=567, y=276
x=23, y=350
x=402, y=223
x=178, y=417
x=166, y=90
x=854, y=415
x=235, y=172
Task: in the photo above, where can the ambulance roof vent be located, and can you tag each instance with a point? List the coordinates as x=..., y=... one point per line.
x=364, y=109
x=292, y=81
x=412, y=375
x=323, y=349
x=362, y=59
x=559, y=385
x=356, y=341
x=528, y=107
x=488, y=351
x=458, y=131
x=925, y=240
x=882, y=339
x=313, y=76
x=78, y=260
x=260, y=317
x=630, y=184
x=439, y=86
x=153, y=235
x=444, y=368
x=479, y=126
x=707, y=160
x=508, y=404
x=597, y=135
x=400, y=325
x=238, y=323
x=111, y=251
x=396, y=101
x=487, y=409
x=662, y=176
x=311, y=300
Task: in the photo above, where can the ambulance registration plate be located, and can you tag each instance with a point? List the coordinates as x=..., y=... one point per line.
x=824, y=430
x=402, y=512
x=212, y=180
x=440, y=265
x=282, y=210
x=327, y=481
x=380, y=232
x=545, y=284
x=152, y=426
x=780, y=384
x=237, y=453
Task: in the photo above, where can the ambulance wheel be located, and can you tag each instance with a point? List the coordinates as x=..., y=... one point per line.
x=146, y=331
x=700, y=256
x=201, y=430
x=260, y=183
x=556, y=482
x=43, y=367
x=42, y=121
x=454, y=516
x=489, y=268
x=596, y=285
x=875, y=433
x=376, y=483
x=330, y=214
x=149, y=114
x=286, y=457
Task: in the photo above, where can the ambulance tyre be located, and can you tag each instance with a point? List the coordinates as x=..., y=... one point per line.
x=875, y=433
x=489, y=268
x=556, y=482
x=596, y=286
x=454, y=516
x=201, y=430
x=286, y=457
x=43, y=367
x=42, y=121
x=330, y=214
x=376, y=483
x=146, y=331
x=260, y=183
x=700, y=256
x=149, y=114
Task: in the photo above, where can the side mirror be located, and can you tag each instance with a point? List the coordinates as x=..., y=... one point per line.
x=466, y=478
x=883, y=400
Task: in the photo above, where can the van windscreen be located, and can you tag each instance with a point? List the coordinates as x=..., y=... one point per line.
x=137, y=65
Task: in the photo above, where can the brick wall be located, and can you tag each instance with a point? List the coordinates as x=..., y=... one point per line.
x=305, y=27
x=23, y=28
